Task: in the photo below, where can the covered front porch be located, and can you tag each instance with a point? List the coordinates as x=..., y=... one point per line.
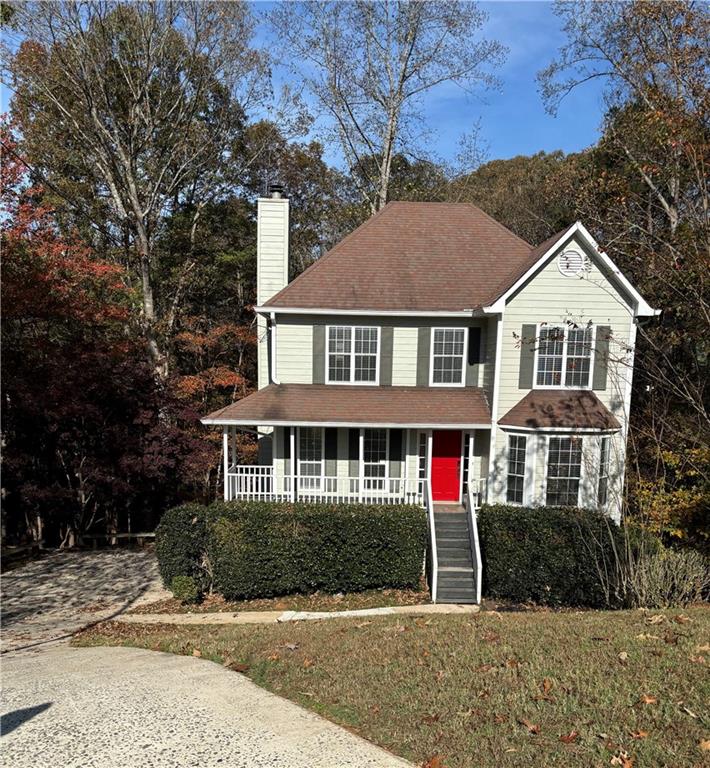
x=367, y=465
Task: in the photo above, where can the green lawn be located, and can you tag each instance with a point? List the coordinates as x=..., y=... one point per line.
x=626, y=688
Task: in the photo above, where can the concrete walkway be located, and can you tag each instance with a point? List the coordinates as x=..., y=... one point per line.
x=277, y=617
x=130, y=708
x=51, y=598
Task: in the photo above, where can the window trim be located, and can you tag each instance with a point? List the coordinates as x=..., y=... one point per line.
x=605, y=476
x=526, y=467
x=299, y=461
x=351, y=381
x=464, y=355
x=565, y=328
x=582, y=473
x=361, y=469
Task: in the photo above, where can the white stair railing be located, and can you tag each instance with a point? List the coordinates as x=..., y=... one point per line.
x=432, y=538
x=474, y=499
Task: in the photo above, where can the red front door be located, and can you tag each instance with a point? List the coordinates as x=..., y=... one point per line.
x=446, y=466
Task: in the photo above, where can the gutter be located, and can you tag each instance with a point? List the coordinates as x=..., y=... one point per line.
x=272, y=343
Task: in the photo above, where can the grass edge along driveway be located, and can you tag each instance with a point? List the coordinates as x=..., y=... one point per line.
x=592, y=688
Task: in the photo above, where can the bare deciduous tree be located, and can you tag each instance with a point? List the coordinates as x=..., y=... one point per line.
x=146, y=103
x=369, y=64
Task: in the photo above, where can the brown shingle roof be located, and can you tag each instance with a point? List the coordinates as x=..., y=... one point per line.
x=353, y=405
x=412, y=256
x=561, y=409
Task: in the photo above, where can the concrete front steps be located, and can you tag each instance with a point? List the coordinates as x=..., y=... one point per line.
x=455, y=575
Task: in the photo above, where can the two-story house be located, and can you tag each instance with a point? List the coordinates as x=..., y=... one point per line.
x=434, y=357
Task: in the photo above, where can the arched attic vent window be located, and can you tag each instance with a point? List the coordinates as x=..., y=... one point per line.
x=571, y=263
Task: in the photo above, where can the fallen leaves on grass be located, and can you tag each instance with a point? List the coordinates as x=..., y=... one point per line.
x=308, y=663
x=623, y=658
x=697, y=659
x=646, y=698
x=704, y=745
x=681, y=618
x=197, y=653
x=703, y=648
x=569, y=738
x=435, y=761
x=690, y=713
x=623, y=759
x=431, y=719
x=533, y=728
x=291, y=646
x=658, y=618
x=638, y=734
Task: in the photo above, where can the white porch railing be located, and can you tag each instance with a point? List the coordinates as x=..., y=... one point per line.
x=260, y=483
x=474, y=498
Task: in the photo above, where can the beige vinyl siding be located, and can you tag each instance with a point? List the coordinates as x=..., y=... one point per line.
x=294, y=353
x=404, y=357
x=272, y=248
x=551, y=297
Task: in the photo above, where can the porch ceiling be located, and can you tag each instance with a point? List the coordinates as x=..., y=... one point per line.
x=336, y=405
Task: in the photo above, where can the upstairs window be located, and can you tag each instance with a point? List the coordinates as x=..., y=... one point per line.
x=564, y=471
x=352, y=355
x=564, y=357
x=447, y=356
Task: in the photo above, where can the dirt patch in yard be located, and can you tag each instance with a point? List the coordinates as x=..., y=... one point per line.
x=319, y=601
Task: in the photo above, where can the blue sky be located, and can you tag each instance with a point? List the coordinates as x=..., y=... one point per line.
x=512, y=119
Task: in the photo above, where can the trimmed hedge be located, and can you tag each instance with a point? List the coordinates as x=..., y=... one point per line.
x=180, y=544
x=546, y=555
x=263, y=549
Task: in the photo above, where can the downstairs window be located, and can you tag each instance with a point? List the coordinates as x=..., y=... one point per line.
x=564, y=471
x=516, y=468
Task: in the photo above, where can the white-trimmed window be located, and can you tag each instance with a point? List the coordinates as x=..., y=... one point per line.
x=448, y=352
x=564, y=471
x=353, y=353
x=564, y=356
x=422, y=456
x=603, y=483
x=374, y=458
x=516, y=468
x=310, y=457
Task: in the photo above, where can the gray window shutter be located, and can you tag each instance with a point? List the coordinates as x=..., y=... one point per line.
x=423, y=346
x=319, y=354
x=331, y=452
x=395, y=456
x=386, y=343
x=601, y=358
x=286, y=437
x=354, y=452
x=527, y=356
x=473, y=356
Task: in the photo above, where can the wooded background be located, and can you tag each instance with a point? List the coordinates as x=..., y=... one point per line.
x=138, y=138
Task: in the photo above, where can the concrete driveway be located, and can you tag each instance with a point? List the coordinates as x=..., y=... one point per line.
x=51, y=598
x=130, y=708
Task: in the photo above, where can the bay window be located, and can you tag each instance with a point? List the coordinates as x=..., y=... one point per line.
x=564, y=471
x=516, y=468
x=603, y=481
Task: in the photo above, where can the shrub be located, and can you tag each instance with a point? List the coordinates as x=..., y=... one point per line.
x=180, y=545
x=665, y=578
x=184, y=588
x=262, y=549
x=548, y=555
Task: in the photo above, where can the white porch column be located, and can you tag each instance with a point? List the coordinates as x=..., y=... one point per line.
x=225, y=451
x=361, y=463
x=292, y=441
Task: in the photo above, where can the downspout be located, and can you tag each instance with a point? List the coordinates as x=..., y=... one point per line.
x=272, y=340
